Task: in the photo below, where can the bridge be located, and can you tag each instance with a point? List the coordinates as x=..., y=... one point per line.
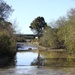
x=27, y=36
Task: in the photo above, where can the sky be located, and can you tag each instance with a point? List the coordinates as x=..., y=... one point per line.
x=25, y=11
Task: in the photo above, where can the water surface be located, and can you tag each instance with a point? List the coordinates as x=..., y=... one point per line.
x=25, y=58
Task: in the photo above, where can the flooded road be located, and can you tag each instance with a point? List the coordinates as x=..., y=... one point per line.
x=24, y=59
x=33, y=70
x=26, y=54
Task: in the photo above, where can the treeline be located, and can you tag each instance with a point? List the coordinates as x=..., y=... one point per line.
x=58, y=34
x=7, y=37
x=63, y=33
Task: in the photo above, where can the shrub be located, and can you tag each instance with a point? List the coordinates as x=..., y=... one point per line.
x=7, y=44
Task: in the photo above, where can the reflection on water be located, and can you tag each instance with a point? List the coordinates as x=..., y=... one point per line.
x=47, y=58
x=57, y=59
x=52, y=63
x=25, y=58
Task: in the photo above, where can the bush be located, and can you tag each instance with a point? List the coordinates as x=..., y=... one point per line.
x=7, y=44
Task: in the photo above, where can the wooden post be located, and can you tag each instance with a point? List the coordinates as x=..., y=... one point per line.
x=38, y=58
